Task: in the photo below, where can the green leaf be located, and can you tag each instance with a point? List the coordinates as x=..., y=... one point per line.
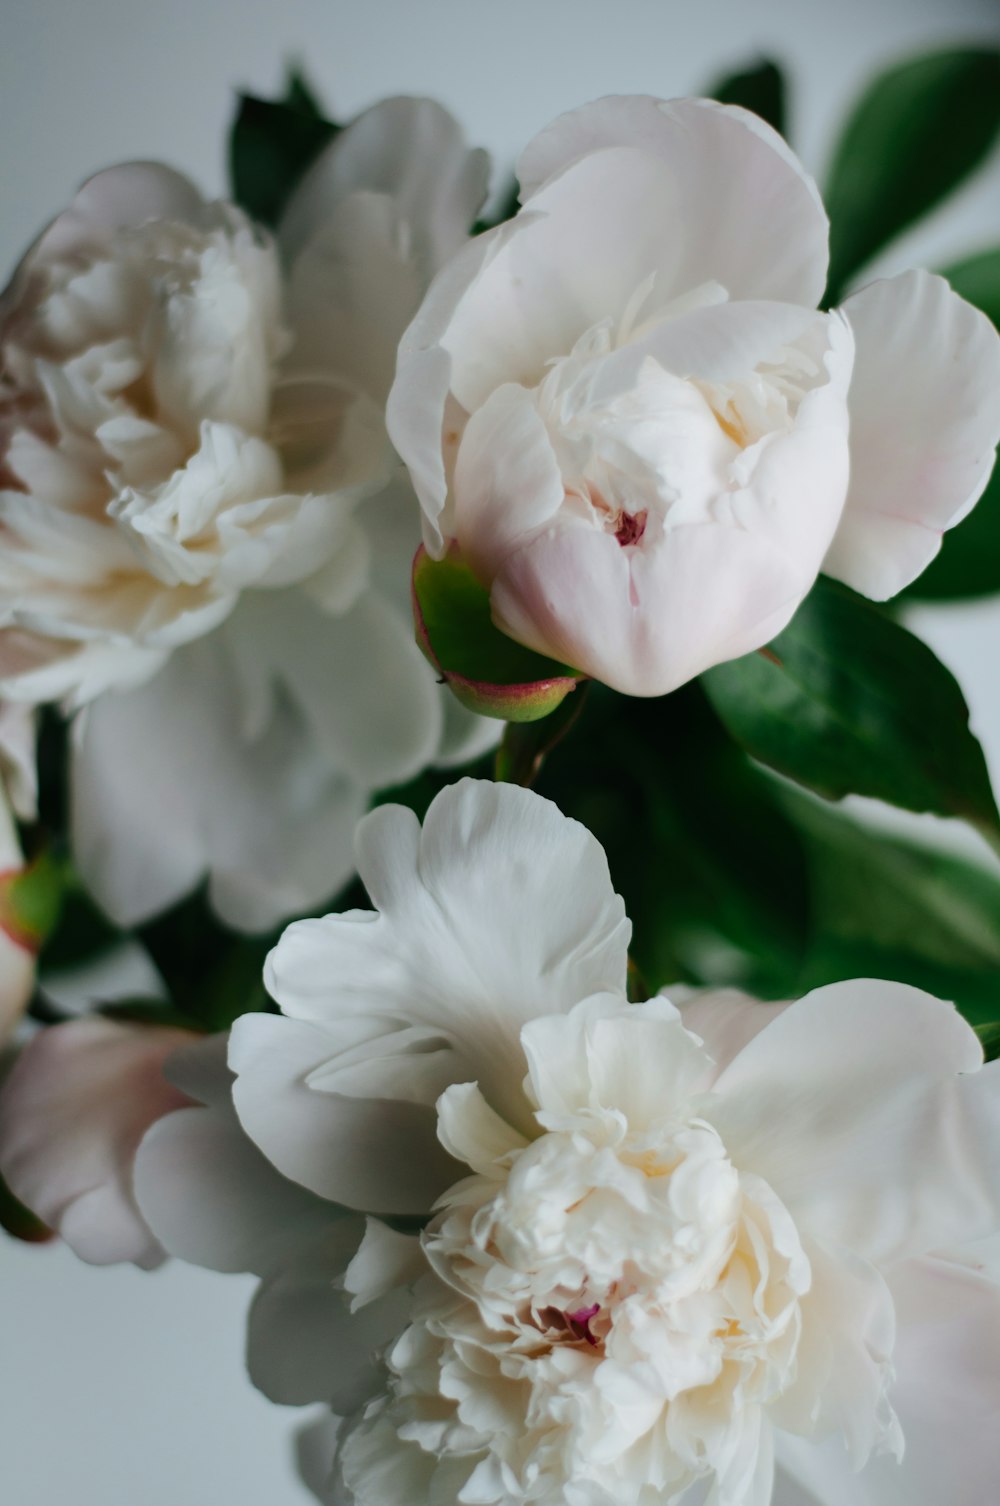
x=969, y=562
x=271, y=144
x=847, y=701
x=711, y=870
x=486, y=670
x=890, y=907
x=146, y=1011
x=989, y=1035
x=915, y=134
x=760, y=88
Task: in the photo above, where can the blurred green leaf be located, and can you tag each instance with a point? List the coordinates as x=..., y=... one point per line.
x=889, y=907
x=525, y=745
x=847, y=701
x=760, y=88
x=19, y=1220
x=487, y=671
x=918, y=130
x=969, y=562
x=271, y=144
x=143, y=1011
x=989, y=1035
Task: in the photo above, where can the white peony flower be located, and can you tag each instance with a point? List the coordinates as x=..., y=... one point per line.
x=625, y=410
x=191, y=444
x=702, y=1254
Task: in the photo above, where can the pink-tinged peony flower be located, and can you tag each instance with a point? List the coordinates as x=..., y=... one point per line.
x=73, y=1110
x=723, y=1253
x=204, y=542
x=625, y=408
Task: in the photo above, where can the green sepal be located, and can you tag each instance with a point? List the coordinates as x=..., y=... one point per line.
x=487, y=671
x=31, y=900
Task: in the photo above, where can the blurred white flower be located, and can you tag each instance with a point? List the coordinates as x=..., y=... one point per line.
x=73, y=1110
x=192, y=448
x=667, y=1251
x=646, y=441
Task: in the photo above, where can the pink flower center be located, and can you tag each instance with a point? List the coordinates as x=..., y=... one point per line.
x=580, y=1321
x=631, y=528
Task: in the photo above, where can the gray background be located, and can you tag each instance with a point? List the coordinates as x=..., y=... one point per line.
x=124, y=1389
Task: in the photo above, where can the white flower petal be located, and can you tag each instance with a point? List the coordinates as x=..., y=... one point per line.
x=303, y=1342
x=166, y=791
x=417, y=405
x=947, y=1396
x=206, y=1190
x=925, y=420
x=890, y=1150
x=366, y=1153
x=499, y=911
x=413, y=151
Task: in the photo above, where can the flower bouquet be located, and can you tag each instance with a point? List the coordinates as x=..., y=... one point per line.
x=435, y=640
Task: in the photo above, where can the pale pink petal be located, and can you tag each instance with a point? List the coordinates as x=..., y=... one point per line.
x=72, y=1113
x=730, y=170
x=646, y=623
x=925, y=420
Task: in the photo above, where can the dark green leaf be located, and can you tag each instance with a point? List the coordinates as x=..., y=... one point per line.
x=888, y=907
x=711, y=870
x=760, y=88
x=505, y=210
x=989, y=1035
x=19, y=1220
x=299, y=96
x=915, y=134
x=525, y=745
x=846, y=701
x=143, y=1011
x=271, y=144
x=969, y=562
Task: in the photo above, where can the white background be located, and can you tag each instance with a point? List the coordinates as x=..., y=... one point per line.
x=124, y=1389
